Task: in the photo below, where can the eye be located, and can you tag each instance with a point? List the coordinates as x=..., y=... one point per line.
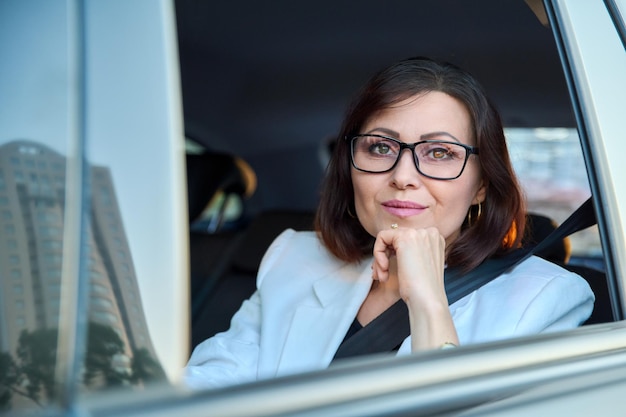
x=439, y=153
x=380, y=148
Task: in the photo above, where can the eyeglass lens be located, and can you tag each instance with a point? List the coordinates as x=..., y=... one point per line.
x=433, y=158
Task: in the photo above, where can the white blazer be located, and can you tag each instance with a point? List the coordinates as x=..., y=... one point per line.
x=306, y=300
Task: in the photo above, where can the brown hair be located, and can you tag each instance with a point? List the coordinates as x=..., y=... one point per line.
x=500, y=226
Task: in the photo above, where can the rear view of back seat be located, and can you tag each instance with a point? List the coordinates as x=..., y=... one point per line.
x=223, y=283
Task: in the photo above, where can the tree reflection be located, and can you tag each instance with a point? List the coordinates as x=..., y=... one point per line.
x=9, y=380
x=36, y=357
x=145, y=368
x=28, y=377
x=103, y=346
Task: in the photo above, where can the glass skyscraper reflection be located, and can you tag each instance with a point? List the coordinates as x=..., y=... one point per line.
x=32, y=196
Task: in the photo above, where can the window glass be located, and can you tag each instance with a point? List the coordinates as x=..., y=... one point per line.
x=552, y=171
x=35, y=72
x=33, y=134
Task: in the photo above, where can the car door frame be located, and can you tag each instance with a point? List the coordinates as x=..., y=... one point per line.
x=498, y=378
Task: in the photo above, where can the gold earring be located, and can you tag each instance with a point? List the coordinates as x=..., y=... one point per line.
x=350, y=213
x=479, y=212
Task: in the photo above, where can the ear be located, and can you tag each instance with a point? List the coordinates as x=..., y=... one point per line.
x=481, y=193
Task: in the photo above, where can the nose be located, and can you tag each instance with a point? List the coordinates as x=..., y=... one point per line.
x=405, y=173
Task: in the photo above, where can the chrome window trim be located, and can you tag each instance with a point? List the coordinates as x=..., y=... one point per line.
x=434, y=382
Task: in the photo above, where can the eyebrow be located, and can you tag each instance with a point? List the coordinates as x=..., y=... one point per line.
x=425, y=136
x=386, y=131
x=428, y=136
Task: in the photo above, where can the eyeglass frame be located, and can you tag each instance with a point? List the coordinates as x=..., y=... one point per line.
x=469, y=150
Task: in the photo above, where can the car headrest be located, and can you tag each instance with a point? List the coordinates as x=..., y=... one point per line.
x=210, y=172
x=537, y=228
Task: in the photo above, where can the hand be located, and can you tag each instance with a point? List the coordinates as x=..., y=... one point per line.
x=415, y=259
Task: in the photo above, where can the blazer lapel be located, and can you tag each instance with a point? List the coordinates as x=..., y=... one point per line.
x=318, y=327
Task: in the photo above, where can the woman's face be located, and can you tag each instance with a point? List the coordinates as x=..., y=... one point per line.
x=403, y=195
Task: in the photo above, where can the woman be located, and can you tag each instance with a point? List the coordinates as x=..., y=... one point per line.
x=420, y=179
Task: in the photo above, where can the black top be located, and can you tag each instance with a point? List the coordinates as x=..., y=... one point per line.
x=383, y=334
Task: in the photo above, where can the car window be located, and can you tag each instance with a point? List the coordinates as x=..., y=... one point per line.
x=92, y=214
x=34, y=146
x=552, y=171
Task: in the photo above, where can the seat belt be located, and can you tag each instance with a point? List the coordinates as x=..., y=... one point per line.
x=458, y=284
x=390, y=329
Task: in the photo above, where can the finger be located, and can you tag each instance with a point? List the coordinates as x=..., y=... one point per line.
x=382, y=252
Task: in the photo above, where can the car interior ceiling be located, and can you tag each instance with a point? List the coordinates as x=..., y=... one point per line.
x=267, y=83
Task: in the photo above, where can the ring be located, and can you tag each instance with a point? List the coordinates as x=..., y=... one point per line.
x=394, y=226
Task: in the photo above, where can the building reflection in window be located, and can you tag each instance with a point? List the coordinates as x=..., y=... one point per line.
x=119, y=351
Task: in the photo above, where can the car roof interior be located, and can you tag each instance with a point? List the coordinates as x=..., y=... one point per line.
x=269, y=81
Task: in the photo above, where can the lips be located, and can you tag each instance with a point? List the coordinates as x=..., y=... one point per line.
x=403, y=208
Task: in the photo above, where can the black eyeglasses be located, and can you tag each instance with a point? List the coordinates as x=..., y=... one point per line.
x=434, y=158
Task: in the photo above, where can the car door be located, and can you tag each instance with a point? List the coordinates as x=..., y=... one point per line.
x=106, y=232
